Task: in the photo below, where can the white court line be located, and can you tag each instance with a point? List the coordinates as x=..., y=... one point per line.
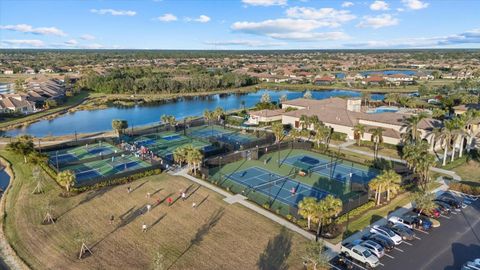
x=416, y=237
x=398, y=249
x=389, y=256
x=407, y=243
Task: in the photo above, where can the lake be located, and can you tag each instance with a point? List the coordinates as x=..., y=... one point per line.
x=100, y=120
x=4, y=179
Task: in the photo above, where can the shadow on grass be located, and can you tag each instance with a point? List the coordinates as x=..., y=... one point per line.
x=139, y=186
x=277, y=251
x=210, y=223
x=89, y=197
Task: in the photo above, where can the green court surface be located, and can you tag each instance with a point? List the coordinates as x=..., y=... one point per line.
x=318, y=180
x=106, y=167
x=227, y=135
x=80, y=152
x=163, y=144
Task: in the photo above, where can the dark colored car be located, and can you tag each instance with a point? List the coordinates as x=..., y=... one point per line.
x=445, y=208
x=454, y=202
x=434, y=213
x=386, y=243
x=420, y=222
x=403, y=231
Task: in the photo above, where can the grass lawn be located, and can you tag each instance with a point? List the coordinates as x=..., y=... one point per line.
x=215, y=235
x=382, y=151
x=469, y=171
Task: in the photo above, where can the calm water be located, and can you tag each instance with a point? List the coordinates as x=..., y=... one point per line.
x=100, y=120
x=4, y=179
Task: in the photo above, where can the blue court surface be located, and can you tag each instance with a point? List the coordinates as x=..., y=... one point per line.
x=337, y=170
x=125, y=166
x=83, y=175
x=63, y=158
x=146, y=142
x=100, y=150
x=172, y=137
x=275, y=186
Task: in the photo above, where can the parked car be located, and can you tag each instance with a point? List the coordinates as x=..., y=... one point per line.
x=434, y=213
x=454, y=202
x=361, y=254
x=382, y=230
x=410, y=223
x=445, y=208
x=420, y=222
x=344, y=262
x=374, y=247
x=385, y=242
x=404, y=232
x=472, y=265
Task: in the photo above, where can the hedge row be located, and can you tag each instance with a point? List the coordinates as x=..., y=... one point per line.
x=356, y=212
x=466, y=188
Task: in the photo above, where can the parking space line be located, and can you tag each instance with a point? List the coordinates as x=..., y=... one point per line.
x=358, y=265
x=421, y=231
x=334, y=266
x=407, y=243
x=455, y=213
x=381, y=264
x=389, y=256
x=447, y=217
x=398, y=249
x=416, y=237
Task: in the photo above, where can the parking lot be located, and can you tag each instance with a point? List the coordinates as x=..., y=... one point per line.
x=448, y=247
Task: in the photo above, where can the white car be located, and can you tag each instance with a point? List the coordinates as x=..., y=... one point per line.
x=374, y=247
x=397, y=220
x=382, y=230
x=361, y=254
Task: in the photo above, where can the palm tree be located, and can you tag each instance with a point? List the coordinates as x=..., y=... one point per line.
x=359, y=131
x=169, y=120
x=377, y=138
x=391, y=182
x=412, y=133
x=321, y=135
x=265, y=98
x=377, y=185
x=366, y=97
x=423, y=201
x=472, y=118
x=209, y=116
x=305, y=120
x=327, y=208
x=307, y=209
x=424, y=164
x=313, y=120
x=67, y=179
x=194, y=158
x=295, y=134
x=283, y=98
x=180, y=155
x=447, y=135
x=218, y=113
x=391, y=98
x=119, y=126
x=315, y=255
x=278, y=131
x=23, y=145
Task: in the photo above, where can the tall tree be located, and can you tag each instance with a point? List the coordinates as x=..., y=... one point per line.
x=209, y=116
x=315, y=255
x=308, y=95
x=377, y=185
x=67, y=179
x=412, y=133
x=391, y=182
x=23, y=145
x=278, y=131
x=307, y=208
x=423, y=201
x=359, y=131
x=119, y=126
x=377, y=139
x=327, y=208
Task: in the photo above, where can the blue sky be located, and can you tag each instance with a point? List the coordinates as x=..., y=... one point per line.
x=239, y=24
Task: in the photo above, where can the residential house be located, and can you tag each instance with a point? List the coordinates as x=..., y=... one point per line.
x=265, y=116
x=324, y=80
x=16, y=103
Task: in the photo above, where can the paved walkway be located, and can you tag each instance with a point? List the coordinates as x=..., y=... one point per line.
x=231, y=199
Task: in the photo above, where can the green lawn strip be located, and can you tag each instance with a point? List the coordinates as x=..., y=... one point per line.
x=371, y=216
x=382, y=151
x=468, y=171
x=71, y=101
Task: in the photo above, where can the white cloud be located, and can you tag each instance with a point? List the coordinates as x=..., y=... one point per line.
x=328, y=16
x=379, y=5
x=468, y=37
x=415, y=4
x=87, y=37
x=379, y=21
x=71, y=42
x=25, y=28
x=246, y=43
x=202, y=19
x=265, y=3
x=288, y=29
x=93, y=46
x=347, y=4
x=24, y=43
x=167, y=17
x=400, y=9
x=114, y=12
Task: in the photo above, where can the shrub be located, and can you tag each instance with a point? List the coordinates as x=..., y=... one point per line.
x=289, y=217
x=266, y=205
x=338, y=136
x=356, y=212
x=466, y=187
x=302, y=223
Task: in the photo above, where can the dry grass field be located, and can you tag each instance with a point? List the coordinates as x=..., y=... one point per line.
x=214, y=235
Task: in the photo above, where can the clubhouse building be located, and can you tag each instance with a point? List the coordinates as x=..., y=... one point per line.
x=342, y=115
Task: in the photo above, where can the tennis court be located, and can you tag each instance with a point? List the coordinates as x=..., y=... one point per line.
x=106, y=167
x=163, y=144
x=226, y=135
x=336, y=170
x=77, y=153
x=277, y=187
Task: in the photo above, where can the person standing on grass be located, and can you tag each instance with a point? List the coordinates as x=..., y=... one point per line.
x=149, y=206
x=129, y=190
x=169, y=200
x=112, y=219
x=148, y=195
x=144, y=227
x=194, y=205
x=184, y=196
